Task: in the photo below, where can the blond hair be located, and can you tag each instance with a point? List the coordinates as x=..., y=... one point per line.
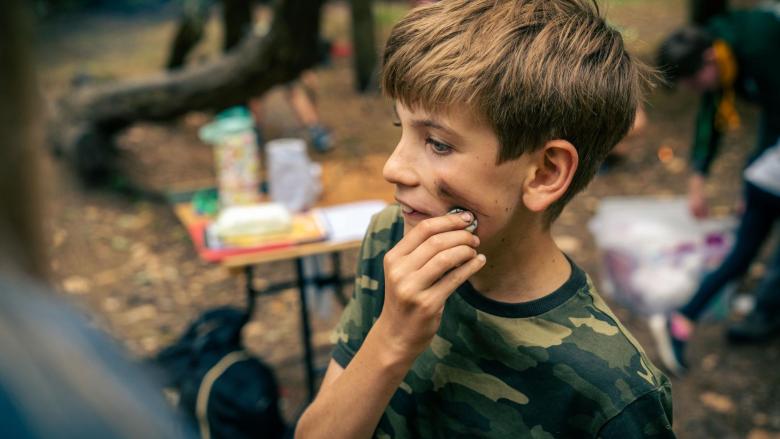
x=535, y=70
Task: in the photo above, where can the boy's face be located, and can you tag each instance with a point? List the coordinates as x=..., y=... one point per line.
x=448, y=160
x=707, y=78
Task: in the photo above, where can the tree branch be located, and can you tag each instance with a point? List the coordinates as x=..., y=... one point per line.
x=88, y=118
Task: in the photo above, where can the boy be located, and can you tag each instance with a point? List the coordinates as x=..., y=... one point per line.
x=506, y=109
x=737, y=53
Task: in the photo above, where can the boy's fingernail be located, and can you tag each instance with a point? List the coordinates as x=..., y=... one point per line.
x=481, y=257
x=466, y=216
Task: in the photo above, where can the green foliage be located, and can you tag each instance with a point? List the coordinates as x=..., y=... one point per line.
x=388, y=14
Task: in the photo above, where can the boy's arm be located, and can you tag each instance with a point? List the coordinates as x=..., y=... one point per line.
x=351, y=401
x=649, y=416
x=706, y=143
x=707, y=135
x=420, y=273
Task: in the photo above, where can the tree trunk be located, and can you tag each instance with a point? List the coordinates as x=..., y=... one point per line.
x=237, y=21
x=21, y=243
x=364, y=44
x=189, y=33
x=86, y=121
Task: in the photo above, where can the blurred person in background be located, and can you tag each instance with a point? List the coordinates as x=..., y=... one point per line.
x=735, y=53
x=58, y=378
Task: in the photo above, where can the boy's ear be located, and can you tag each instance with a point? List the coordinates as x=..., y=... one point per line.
x=550, y=174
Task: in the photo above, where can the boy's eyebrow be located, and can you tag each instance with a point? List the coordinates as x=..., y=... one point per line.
x=432, y=123
x=429, y=123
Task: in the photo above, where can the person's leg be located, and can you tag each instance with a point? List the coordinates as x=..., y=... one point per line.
x=764, y=320
x=301, y=95
x=303, y=106
x=753, y=230
x=768, y=294
x=672, y=334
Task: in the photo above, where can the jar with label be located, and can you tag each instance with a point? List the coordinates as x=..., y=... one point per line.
x=235, y=156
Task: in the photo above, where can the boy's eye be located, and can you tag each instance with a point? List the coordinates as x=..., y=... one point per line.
x=438, y=147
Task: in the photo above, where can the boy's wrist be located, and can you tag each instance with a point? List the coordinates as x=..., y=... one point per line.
x=393, y=357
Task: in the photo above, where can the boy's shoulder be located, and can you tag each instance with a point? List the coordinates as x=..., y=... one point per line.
x=600, y=357
x=582, y=337
x=602, y=348
x=577, y=357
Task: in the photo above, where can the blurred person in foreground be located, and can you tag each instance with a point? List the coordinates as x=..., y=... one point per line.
x=737, y=53
x=506, y=109
x=58, y=377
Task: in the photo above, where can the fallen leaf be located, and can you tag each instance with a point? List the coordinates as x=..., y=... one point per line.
x=758, y=270
x=676, y=165
x=254, y=329
x=709, y=362
x=59, y=237
x=717, y=402
x=140, y=313
x=76, y=285
x=112, y=304
x=665, y=153
x=150, y=344
x=120, y=243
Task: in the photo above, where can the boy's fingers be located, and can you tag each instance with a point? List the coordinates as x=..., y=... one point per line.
x=442, y=289
x=430, y=227
x=437, y=244
x=443, y=262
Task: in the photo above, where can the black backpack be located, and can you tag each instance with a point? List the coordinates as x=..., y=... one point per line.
x=225, y=391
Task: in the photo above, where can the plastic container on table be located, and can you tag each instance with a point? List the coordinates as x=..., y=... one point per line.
x=293, y=179
x=236, y=157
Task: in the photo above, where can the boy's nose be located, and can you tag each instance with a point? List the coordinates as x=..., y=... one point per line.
x=399, y=169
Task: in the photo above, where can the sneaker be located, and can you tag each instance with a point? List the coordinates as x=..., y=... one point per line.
x=755, y=327
x=320, y=138
x=670, y=348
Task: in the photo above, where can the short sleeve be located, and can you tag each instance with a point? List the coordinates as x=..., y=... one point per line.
x=649, y=416
x=363, y=309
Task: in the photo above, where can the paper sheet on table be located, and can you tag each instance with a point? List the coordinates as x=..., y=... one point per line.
x=350, y=221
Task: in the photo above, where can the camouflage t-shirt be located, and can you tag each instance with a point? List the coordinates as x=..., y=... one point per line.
x=559, y=366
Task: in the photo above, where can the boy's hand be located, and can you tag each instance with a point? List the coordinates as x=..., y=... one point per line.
x=421, y=272
x=697, y=201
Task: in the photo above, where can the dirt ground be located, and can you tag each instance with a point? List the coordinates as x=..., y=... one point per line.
x=130, y=266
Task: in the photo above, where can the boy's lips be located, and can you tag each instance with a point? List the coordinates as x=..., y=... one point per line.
x=409, y=209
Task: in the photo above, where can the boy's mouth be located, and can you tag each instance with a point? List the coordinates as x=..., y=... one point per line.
x=412, y=211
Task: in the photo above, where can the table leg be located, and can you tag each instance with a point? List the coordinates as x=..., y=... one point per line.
x=338, y=288
x=251, y=292
x=305, y=329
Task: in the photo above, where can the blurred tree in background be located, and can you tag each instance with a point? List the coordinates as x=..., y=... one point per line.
x=46, y=8
x=86, y=120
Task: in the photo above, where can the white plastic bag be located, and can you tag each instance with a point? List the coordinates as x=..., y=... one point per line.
x=293, y=179
x=654, y=253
